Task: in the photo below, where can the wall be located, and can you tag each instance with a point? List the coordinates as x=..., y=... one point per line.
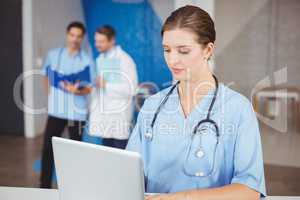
x=255, y=39
x=163, y=8
x=11, y=118
x=138, y=33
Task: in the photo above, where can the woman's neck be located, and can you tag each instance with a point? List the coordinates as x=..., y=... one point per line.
x=197, y=87
x=192, y=91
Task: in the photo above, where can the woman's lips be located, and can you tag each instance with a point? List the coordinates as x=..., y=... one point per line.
x=177, y=70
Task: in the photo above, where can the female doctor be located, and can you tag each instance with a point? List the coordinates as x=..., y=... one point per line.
x=198, y=139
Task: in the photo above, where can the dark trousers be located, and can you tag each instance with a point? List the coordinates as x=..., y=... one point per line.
x=110, y=142
x=55, y=127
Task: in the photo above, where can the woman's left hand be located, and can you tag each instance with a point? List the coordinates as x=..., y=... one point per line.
x=172, y=196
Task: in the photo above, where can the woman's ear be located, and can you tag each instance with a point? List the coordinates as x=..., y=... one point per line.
x=209, y=50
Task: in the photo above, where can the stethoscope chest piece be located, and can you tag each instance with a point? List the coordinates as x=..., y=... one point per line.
x=200, y=153
x=149, y=135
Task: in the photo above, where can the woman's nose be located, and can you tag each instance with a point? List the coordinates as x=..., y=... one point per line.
x=173, y=59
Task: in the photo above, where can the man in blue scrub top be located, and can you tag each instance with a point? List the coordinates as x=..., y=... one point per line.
x=198, y=139
x=68, y=82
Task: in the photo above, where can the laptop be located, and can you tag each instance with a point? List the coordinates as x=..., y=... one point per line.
x=93, y=172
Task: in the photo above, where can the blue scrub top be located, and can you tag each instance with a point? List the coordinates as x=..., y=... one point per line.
x=168, y=166
x=60, y=66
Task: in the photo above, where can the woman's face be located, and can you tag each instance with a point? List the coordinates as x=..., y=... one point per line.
x=185, y=57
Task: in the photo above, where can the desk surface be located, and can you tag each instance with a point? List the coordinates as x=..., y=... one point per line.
x=13, y=193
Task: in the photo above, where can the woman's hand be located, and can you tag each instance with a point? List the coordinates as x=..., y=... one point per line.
x=159, y=197
x=171, y=196
x=233, y=192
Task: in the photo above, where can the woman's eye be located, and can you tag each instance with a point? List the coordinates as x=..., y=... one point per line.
x=166, y=50
x=184, y=51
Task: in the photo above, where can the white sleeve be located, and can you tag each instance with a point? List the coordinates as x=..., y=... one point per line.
x=127, y=85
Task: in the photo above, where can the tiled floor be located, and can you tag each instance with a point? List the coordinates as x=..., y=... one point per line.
x=17, y=156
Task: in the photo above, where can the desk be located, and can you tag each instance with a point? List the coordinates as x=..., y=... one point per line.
x=12, y=193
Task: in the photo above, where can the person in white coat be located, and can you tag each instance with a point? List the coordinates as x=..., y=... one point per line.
x=111, y=107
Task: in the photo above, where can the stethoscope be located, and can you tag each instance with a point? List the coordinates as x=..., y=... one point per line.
x=200, y=152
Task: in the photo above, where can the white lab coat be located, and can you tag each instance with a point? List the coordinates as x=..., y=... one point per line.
x=111, y=108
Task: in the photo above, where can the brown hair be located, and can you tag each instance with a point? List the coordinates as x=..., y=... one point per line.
x=108, y=31
x=76, y=24
x=194, y=19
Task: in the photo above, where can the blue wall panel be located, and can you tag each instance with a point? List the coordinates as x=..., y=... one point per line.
x=138, y=32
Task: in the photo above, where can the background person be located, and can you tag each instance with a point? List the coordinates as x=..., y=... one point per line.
x=68, y=82
x=112, y=107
